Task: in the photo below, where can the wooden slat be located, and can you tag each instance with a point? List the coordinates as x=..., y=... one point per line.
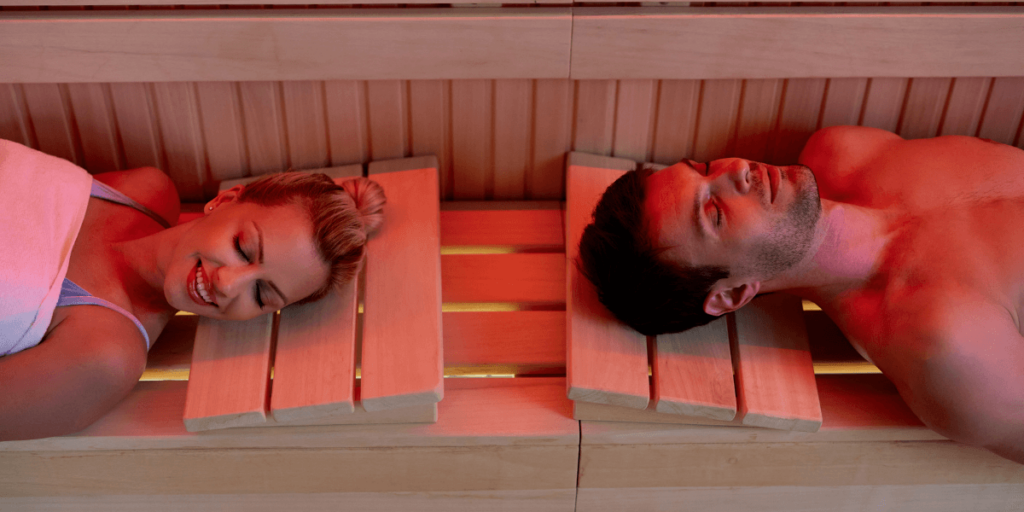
x=798, y=119
x=346, y=122
x=184, y=158
x=387, y=114
x=13, y=118
x=222, y=129
x=472, y=135
x=523, y=341
x=677, y=118
x=552, y=139
x=634, y=119
x=402, y=362
x=168, y=45
x=593, y=129
x=133, y=111
x=966, y=104
x=504, y=277
x=263, y=127
x=716, y=125
x=844, y=98
x=429, y=126
x=518, y=228
x=693, y=373
x=314, y=359
x=230, y=374
x=759, y=112
x=306, y=124
x=774, y=372
x=795, y=42
x=513, y=116
x=1003, y=111
x=48, y=111
x=96, y=128
x=922, y=113
x=883, y=103
x=607, y=361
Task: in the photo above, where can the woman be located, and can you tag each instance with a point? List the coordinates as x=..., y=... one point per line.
x=284, y=239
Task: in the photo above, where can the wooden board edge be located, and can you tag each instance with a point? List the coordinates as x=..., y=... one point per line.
x=245, y=419
x=692, y=409
x=599, y=396
x=402, y=401
x=426, y=413
x=402, y=164
x=586, y=411
x=297, y=415
x=776, y=423
x=578, y=159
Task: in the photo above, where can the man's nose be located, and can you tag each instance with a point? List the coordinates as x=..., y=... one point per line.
x=739, y=177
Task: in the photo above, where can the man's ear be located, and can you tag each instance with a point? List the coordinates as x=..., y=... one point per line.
x=725, y=298
x=225, y=196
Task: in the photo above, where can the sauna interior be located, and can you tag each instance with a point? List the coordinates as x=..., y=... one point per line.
x=500, y=94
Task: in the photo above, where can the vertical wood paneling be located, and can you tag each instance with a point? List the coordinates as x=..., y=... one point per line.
x=386, y=112
x=51, y=121
x=305, y=124
x=922, y=112
x=883, y=102
x=262, y=120
x=759, y=109
x=500, y=139
x=221, y=118
x=347, y=127
x=513, y=124
x=1002, y=116
x=716, y=122
x=595, y=116
x=634, y=119
x=184, y=156
x=96, y=127
x=472, y=139
x=133, y=111
x=13, y=117
x=844, y=99
x=552, y=138
x=966, y=103
x=801, y=104
x=429, y=114
x=677, y=120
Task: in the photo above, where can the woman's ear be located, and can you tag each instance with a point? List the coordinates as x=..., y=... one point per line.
x=724, y=298
x=225, y=196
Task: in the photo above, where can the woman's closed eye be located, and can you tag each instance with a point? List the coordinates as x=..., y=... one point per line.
x=256, y=286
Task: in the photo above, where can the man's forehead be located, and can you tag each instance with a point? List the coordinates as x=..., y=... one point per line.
x=669, y=205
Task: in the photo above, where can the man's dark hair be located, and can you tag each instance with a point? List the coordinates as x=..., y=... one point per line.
x=618, y=255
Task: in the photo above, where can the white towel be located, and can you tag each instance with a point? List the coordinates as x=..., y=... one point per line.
x=42, y=205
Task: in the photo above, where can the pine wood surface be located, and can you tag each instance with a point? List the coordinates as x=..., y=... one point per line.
x=515, y=228
x=795, y=42
x=230, y=374
x=774, y=372
x=607, y=361
x=504, y=278
x=402, y=361
x=314, y=360
x=253, y=45
x=692, y=373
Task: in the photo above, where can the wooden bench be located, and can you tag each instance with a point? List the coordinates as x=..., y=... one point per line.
x=498, y=442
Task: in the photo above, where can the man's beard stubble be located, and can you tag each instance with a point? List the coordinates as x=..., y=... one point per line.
x=791, y=236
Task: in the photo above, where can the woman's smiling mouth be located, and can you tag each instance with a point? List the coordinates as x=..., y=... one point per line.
x=198, y=286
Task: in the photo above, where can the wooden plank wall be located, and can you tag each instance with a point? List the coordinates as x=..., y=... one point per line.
x=494, y=139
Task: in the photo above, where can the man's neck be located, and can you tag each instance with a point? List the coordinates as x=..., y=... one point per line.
x=848, y=246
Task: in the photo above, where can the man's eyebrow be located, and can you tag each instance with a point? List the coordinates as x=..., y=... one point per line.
x=259, y=237
x=697, y=224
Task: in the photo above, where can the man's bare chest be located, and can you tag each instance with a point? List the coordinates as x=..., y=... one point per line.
x=967, y=252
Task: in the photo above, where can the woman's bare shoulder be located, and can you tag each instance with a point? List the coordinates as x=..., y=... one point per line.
x=150, y=187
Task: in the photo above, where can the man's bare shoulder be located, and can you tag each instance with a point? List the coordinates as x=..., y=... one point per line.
x=845, y=147
x=150, y=187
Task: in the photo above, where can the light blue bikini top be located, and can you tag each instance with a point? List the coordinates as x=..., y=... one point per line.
x=73, y=295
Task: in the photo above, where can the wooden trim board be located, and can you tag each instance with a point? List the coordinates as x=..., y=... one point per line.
x=237, y=45
x=402, y=361
x=796, y=42
x=607, y=361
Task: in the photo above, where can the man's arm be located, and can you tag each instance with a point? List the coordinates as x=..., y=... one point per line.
x=963, y=375
x=83, y=368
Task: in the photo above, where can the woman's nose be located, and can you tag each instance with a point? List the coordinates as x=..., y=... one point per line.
x=230, y=280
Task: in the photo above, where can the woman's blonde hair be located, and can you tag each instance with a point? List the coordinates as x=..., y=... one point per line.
x=343, y=216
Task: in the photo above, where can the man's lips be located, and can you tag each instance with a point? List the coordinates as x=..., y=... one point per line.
x=772, y=173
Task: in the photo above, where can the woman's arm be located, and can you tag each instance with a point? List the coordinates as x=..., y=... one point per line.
x=84, y=367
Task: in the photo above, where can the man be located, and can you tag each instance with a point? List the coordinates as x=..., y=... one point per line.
x=915, y=249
